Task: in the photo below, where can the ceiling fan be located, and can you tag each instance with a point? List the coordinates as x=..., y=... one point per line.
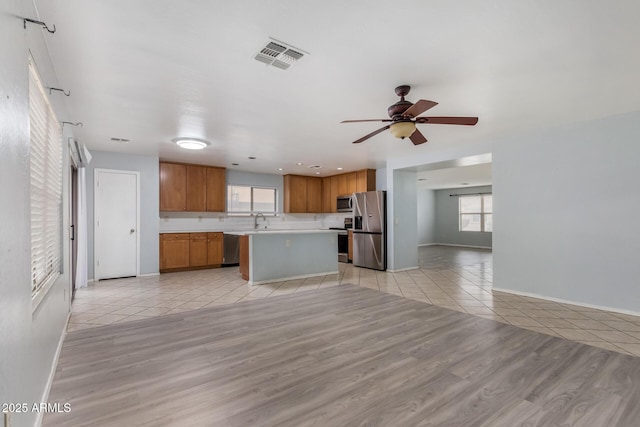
x=404, y=119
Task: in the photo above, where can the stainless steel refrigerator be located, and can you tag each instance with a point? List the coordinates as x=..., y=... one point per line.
x=369, y=230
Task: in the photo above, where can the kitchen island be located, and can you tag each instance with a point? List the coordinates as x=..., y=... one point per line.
x=274, y=255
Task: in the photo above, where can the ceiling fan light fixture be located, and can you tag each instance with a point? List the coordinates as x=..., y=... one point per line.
x=191, y=143
x=402, y=129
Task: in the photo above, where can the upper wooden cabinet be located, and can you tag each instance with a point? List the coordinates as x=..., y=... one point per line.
x=351, y=183
x=302, y=194
x=345, y=184
x=314, y=194
x=215, y=189
x=342, y=184
x=191, y=188
x=196, y=188
x=173, y=187
x=365, y=180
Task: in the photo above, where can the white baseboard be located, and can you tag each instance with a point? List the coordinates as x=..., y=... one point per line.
x=461, y=246
x=52, y=372
x=402, y=269
x=304, y=276
x=566, y=301
x=148, y=274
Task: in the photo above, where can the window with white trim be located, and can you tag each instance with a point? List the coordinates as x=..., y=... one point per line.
x=244, y=199
x=46, y=185
x=476, y=213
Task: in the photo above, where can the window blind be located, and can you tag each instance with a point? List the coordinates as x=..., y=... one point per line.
x=46, y=185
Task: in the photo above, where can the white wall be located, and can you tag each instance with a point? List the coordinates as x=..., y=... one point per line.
x=426, y=216
x=148, y=167
x=447, y=219
x=402, y=211
x=565, y=202
x=29, y=340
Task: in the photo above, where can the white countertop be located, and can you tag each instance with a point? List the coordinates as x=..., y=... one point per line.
x=259, y=231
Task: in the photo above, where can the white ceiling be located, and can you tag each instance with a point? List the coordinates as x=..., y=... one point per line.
x=151, y=71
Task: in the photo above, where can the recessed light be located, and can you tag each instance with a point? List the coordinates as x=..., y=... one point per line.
x=339, y=169
x=299, y=163
x=280, y=169
x=317, y=173
x=251, y=158
x=191, y=143
x=235, y=164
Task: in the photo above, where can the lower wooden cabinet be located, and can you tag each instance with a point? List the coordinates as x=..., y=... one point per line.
x=187, y=251
x=244, y=257
x=174, y=251
x=350, y=256
x=215, y=249
x=198, y=249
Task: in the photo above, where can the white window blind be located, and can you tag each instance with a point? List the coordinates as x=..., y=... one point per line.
x=46, y=185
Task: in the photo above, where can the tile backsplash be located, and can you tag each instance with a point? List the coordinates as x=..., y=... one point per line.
x=201, y=221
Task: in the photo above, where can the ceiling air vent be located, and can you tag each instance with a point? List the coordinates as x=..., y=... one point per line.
x=279, y=55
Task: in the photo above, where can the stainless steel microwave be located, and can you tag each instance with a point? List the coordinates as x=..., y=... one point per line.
x=343, y=204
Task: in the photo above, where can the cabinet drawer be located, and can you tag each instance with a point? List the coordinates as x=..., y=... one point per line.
x=217, y=236
x=174, y=236
x=198, y=236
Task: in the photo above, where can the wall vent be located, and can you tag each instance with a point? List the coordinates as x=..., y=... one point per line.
x=279, y=54
x=123, y=140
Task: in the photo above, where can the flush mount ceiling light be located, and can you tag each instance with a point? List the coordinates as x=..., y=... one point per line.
x=191, y=143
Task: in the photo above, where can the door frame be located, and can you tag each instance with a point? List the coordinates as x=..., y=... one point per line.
x=96, y=172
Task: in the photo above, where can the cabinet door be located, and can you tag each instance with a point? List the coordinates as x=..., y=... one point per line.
x=351, y=183
x=350, y=245
x=314, y=194
x=326, y=194
x=334, y=193
x=173, y=187
x=244, y=257
x=174, y=251
x=196, y=188
x=197, y=249
x=342, y=184
x=215, y=248
x=366, y=180
x=215, y=189
x=295, y=194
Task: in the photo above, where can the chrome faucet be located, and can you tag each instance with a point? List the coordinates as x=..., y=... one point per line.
x=255, y=220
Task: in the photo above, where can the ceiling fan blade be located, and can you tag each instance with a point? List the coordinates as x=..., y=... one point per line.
x=417, y=138
x=468, y=121
x=366, y=120
x=419, y=107
x=374, y=133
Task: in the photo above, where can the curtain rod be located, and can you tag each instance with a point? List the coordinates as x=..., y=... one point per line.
x=468, y=194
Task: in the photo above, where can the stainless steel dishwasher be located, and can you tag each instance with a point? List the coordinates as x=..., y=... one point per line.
x=231, y=247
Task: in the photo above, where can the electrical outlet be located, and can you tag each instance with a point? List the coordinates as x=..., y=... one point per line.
x=287, y=243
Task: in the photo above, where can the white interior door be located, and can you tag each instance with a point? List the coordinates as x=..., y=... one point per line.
x=116, y=223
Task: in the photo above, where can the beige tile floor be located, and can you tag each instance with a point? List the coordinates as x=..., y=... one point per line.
x=454, y=278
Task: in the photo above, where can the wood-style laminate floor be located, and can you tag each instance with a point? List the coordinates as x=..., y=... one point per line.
x=459, y=279
x=340, y=356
